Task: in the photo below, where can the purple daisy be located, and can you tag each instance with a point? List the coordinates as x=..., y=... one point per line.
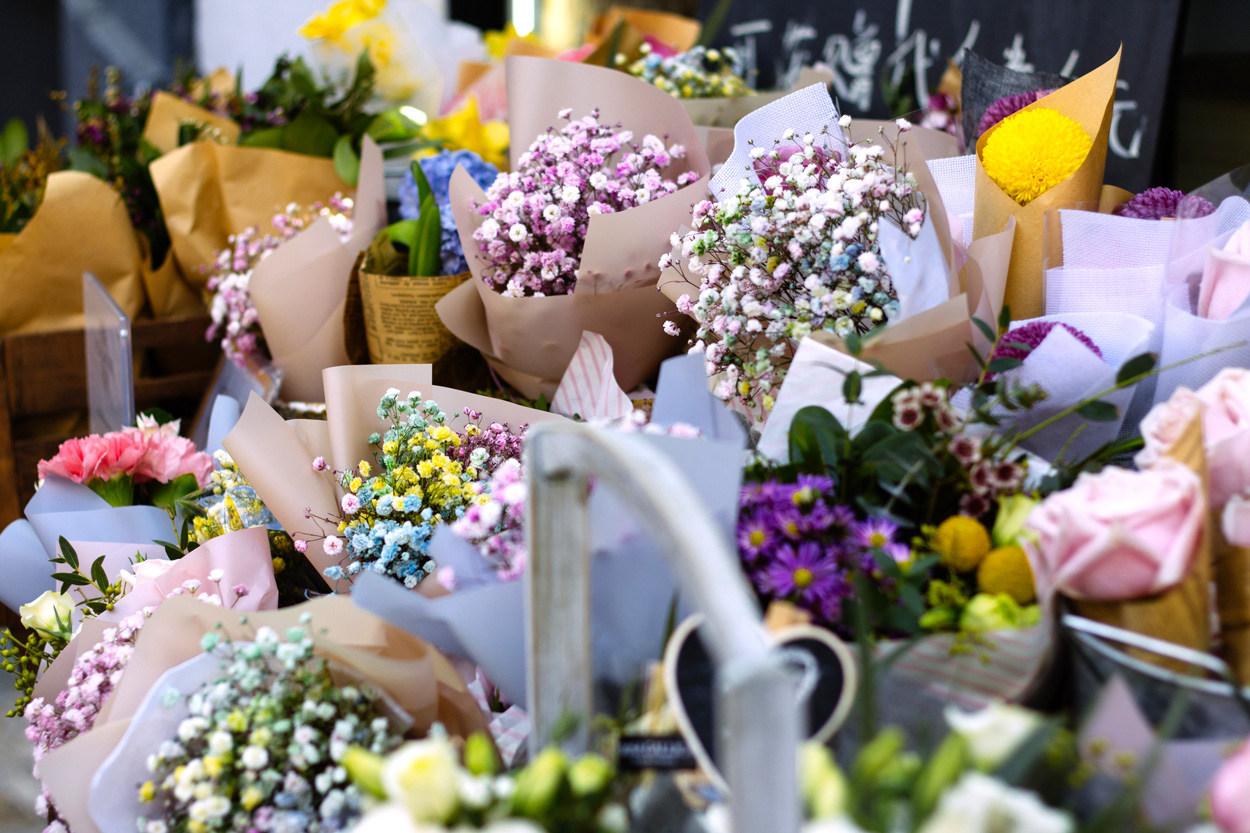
x=1164, y=204
x=755, y=535
x=804, y=575
x=1007, y=106
x=874, y=533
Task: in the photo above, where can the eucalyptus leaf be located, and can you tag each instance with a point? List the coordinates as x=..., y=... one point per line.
x=985, y=329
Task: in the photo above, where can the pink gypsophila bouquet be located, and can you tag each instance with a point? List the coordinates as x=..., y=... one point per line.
x=235, y=320
x=151, y=456
x=537, y=215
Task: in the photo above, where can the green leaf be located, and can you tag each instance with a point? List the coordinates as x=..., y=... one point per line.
x=1099, y=411
x=310, y=135
x=72, y=578
x=852, y=387
x=67, y=553
x=14, y=141
x=98, y=575
x=1136, y=366
x=404, y=232
x=424, y=191
x=166, y=495
x=162, y=416
x=391, y=126
x=985, y=329
x=120, y=491
x=266, y=137
x=1004, y=319
x=423, y=258
x=817, y=439
x=171, y=550
x=346, y=162
x=1004, y=364
x=83, y=160
x=409, y=148
x=854, y=344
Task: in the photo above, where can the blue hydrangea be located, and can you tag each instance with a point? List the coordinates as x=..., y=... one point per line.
x=438, y=170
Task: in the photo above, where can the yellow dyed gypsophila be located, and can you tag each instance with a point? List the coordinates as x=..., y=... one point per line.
x=423, y=475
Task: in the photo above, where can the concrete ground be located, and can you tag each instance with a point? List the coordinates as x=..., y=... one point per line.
x=18, y=788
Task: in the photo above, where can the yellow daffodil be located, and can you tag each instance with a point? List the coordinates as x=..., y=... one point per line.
x=334, y=22
x=497, y=41
x=1032, y=151
x=464, y=130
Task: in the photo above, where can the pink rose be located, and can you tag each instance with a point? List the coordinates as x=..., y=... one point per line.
x=1226, y=277
x=1230, y=793
x=79, y=459
x=1119, y=535
x=1225, y=404
x=169, y=457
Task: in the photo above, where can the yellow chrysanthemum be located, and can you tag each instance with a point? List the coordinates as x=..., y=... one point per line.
x=1006, y=570
x=1032, y=151
x=147, y=792
x=962, y=542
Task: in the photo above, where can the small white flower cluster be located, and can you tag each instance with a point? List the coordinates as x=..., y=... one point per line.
x=794, y=251
x=263, y=744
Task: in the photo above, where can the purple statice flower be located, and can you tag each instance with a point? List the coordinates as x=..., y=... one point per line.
x=438, y=170
x=1006, y=106
x=1032, y=334
x=537, y=216
x=1164, y=204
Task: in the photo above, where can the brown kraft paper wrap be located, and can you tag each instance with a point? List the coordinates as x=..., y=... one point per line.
x=401, y=325
x=530, y=341
x=725, y=112
x=1232, y=603
x=210, y=191
x=168, y=114
x=1088, y=101
x=81, y=226
x=413, y=673
x=1181, y=615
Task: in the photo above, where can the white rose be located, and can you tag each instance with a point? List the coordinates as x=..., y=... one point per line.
x=994, y=733
x=425, y=776
x=145, y=571
x=50, y=614
x=254, y=757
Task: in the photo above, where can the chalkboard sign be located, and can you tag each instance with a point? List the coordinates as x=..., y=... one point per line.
x=872, y=45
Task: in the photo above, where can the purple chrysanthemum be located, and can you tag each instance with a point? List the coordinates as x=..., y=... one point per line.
x=1032, y=334
x=1005, y=107
x=874, y=533
x=1164, y=204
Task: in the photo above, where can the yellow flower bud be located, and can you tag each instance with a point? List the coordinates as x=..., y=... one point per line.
x=962, y=542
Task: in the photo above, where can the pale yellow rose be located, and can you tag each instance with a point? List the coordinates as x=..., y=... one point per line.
x=51, y=614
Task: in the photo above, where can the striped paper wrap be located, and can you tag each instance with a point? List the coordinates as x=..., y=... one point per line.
x=1000, y=665
x=589, y=389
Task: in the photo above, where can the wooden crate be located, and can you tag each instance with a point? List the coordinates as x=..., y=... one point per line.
x=43, y=378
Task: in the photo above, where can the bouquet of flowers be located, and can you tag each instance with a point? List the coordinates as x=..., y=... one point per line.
x=428, y=474
x=148, y=464
x=697, y=73
x=538, y=215
x=235, y=320
x=793, y=250
x=263, y=742
x=539, y=245
x=24, y=173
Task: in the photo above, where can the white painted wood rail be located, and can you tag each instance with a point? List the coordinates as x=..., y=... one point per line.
x=757, y=715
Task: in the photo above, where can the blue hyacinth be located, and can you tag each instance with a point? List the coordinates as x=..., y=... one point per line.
x=438, y=170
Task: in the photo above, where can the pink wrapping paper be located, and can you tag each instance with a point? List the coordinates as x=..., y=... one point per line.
x=300, y=290
x=1226, y=277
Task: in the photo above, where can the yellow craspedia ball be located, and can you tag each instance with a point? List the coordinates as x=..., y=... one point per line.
x=1006, y=570
x=962, y=542
x=1032, y=151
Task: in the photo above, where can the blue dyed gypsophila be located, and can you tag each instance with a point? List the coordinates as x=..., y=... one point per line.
x=390, y=508
x=438, y=170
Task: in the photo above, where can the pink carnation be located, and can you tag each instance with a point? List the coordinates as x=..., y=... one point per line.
x=169, y=457
x=143, y=455
x=80, y=459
